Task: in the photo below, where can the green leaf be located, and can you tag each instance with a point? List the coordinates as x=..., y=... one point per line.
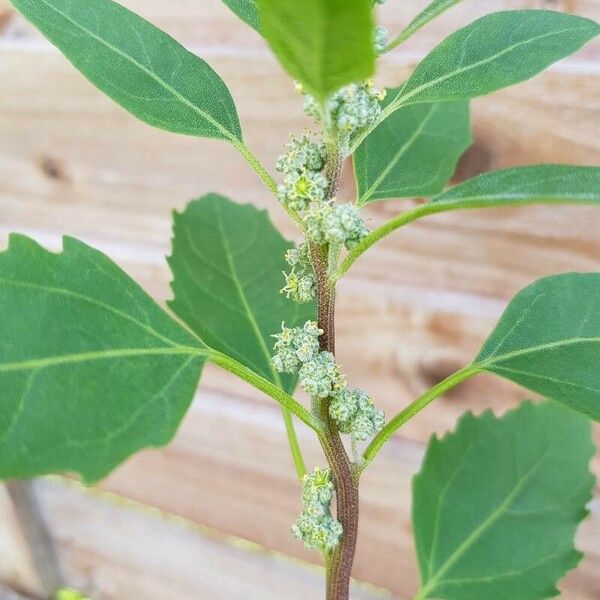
x=436, y=8
x=548, y=340
x=247, y=11
x=324, y=44
x=139, y=66
x=494, y=52
x=91, y=369
x=523, y=185
x=497, y=503
x=413, y=152
x=227, y=264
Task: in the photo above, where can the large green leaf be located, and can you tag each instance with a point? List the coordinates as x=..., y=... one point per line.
x=497, y=503
x=246, y=10
x=413, y=152
x=495, y=51
x=139, y=66
x=91, y=369
x=227, y=264
x=324, y=44
x=548, y=340
x=523, y=185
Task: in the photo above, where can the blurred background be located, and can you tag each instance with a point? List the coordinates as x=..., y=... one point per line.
x=209, y=516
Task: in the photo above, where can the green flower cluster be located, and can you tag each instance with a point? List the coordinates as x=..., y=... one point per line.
x=304, y=180
x=381, y=38
x=334, y=224
x=315, y=526
x=297, y=351
x=355, y=413
x=350, y=109
x=300, y=282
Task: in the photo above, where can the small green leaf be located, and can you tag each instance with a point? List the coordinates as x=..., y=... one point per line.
x=495, y=51
x=227, y=264
x=139, y=66
x=497, y=503
x=324, y=44
x=91, y=369
x=436, y=8
x=413, y=152
x=548, y=340
x=246, y=10
x=523, y=185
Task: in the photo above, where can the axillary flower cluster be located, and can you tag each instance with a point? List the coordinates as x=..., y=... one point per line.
x=309, y=172
x=297, y=351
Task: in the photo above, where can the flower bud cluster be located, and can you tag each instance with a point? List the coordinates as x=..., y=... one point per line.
x=355, y=413
x=315, y=526
x=334, y=224
x=297, y=351
x=381, y=38
x=295, y=346
x=302, y=166
x=300, y=282
x=351, y=108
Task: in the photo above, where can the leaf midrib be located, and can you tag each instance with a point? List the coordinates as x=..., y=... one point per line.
x=225, y=132
x=532, y=349
x=51, y=361
x=481, y=528
x=244, y=300
x=401, y=152
x=401, y=100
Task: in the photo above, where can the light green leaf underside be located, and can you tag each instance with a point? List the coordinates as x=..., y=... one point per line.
x=433, y=10
x=413, y=152
x=324, y=44
x=139, y=66
x=91, y=369
x=247, y=11
x=524, y=185
x=497, y=503
x=548, y=340
x=494, y=52
x=227, y=265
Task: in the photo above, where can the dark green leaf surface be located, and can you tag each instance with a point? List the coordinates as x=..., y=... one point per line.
x=494, y=52
x=227, y=264
x=413, y=152
x=524, y=185
x=139, y=66
x=324, y=44
x=548, y=340
x=497, y=503
x=91, y=369
x=246, y=10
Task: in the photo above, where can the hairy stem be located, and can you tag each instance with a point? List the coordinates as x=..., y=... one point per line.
x=340, y=560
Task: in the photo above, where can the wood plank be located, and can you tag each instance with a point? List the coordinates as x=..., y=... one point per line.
x=238, y=486
x=210, y=24
x=115, y=551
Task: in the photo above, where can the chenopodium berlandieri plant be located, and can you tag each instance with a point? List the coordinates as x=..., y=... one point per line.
x=490, y=517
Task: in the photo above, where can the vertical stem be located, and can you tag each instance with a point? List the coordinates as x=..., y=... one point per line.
x=293, y=442
x=339, y=562
x=37, y=535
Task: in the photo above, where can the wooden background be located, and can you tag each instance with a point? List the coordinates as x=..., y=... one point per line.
x=209, y=516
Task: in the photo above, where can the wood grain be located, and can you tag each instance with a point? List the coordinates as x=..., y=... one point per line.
x=421, y=302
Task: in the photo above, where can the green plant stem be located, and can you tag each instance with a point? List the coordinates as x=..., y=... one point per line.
x=410, y=411
x=292, y=437
x=420, y=21
x=263, y=174
x=264, y=385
